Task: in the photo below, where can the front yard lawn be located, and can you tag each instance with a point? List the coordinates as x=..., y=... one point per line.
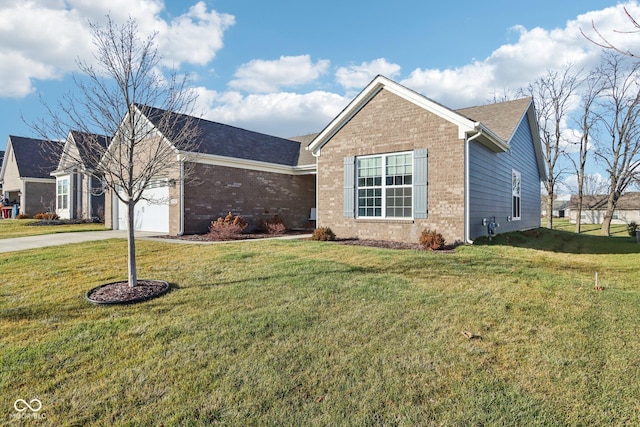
x=316, y=333
x=10, y=228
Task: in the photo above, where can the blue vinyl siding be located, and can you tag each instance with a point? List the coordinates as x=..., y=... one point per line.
x=490, y=184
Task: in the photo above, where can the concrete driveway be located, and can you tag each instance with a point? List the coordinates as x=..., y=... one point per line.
x=33, y=242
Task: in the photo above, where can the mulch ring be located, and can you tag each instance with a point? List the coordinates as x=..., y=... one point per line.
x=122, y=293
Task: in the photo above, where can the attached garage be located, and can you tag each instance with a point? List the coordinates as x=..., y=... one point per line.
x=151, y=212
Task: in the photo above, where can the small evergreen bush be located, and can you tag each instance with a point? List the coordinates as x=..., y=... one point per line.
x=431, y=240
x=323, y=234
x=631, y=228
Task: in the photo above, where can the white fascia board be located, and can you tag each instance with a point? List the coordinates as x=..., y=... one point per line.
x=231, y=162
x=39, y=180
x=377, y=84
x=493, y=139
x=7, y=155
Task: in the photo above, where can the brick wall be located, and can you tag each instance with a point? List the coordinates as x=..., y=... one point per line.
x=388, y=123
x=214, y=191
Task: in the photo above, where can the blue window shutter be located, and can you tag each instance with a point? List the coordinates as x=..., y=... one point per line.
x=349, y=187
x=420, y=183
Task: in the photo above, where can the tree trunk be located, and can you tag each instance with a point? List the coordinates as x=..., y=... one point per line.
x=606, y=225
x=131, y=243
x=579, y=210
x=550, y=207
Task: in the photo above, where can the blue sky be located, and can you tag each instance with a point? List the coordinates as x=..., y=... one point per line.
x=288, y=67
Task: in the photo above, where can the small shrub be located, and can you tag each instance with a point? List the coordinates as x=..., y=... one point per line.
x=431, y=240
x=22, y=216
x=277, y=228
x=47, y=216
x=273, y=225
x=227, y=228
x=323, y=234
x=631, y=228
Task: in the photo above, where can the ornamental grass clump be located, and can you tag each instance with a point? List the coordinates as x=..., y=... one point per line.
x=227, y=228
x=430, y=240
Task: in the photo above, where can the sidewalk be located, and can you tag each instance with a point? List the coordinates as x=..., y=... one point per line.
x=33, y=242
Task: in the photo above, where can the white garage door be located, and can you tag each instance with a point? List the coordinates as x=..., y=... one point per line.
x=151, y=213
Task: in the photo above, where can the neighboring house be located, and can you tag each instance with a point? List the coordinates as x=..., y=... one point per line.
x=232, y=170
x=394, y=163
x=594, y=208
x=560, y=208
x=25, y=174
x=79, y=192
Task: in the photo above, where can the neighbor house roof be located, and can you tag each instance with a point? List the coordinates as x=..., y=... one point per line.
x=628, y=201
x=35, y=158
x=89, y=146
x=228, y=141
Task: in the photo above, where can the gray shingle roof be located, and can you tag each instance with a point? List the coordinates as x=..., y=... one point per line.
x=501, y=118
x=306, y=158
x=90, y=147
x=35, y=158
x=229, y=141
x=628, y=201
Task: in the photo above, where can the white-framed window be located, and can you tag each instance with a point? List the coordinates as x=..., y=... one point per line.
x=63, y=193
x=616, y=214
x=384, y=186
x=516, y=195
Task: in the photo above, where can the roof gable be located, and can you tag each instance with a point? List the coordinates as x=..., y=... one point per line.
x=228, y=141
x=89, y=147
x=502, y=118
x=35, y=158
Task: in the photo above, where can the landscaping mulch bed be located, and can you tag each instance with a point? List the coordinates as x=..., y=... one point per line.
x=122, y=293
x=242, y=236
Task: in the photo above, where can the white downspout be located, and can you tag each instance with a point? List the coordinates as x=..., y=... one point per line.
x=467, y=198
x=181, y=184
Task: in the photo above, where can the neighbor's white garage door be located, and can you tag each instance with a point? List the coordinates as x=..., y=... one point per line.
x=151, y=213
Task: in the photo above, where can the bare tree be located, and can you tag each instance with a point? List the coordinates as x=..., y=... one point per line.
x=603, y=42
x=592, y=87
x=553, y=93
x=116, y=97
x=619, y=108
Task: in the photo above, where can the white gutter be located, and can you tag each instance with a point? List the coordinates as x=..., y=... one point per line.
x=467, y=216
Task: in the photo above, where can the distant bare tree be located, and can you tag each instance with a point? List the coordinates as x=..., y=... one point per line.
x=606, y=44
x=619, y=109
x=591, y=88
x=552, y=94
x=115, y=98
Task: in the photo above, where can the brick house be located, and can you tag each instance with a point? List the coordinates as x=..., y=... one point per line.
x=25, y=174
x=230, y=170
x=394, y=162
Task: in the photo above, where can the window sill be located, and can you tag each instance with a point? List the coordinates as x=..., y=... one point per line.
x=385, y=220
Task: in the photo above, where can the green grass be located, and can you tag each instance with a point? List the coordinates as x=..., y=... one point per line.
x=313, y=333
x=563, y=224
x=10, y=228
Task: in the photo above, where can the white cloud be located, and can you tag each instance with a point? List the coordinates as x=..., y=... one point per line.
x=358, y=76
x=514, y=65
x=42, y=39
x=270, y=76
x=281, y=114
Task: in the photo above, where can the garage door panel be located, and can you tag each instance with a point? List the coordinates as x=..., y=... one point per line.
x=151, y=213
